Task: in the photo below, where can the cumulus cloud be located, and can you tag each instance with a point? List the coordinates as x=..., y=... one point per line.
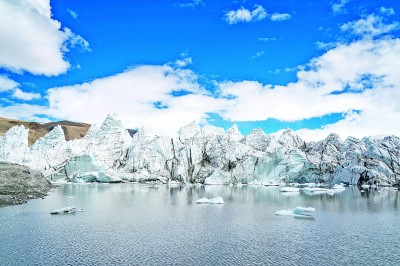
x=339, y=6
x=361, y=76
x=388, y=11
x=31, y=40
x=258, y=13
x=74, y=41
x=26, y=96
x=7, y=84
x=24, y=111
x=184, y=62
x=280, y=16
x=245, y=15
x=141, y=96
x=370, y=26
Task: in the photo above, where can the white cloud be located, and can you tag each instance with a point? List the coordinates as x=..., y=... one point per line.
x=7, y=84
x=26, y=96
x=135, y=95
x=280, y=16
x=245, y=15
x=388, y=11
x=73, y=14
x=325, y=46
x=258, y=54
x=74, y=41
x=370, y=26
x=266, y=39
x=30, y=39
x=24, y=111
x=192, y=4
x=359, y=76
x=258, y=13
x=184, y=62
x=339, y=7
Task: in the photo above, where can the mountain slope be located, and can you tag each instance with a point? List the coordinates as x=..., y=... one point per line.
x=72, y=130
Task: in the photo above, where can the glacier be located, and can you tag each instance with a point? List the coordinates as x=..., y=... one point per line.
x=206, y=155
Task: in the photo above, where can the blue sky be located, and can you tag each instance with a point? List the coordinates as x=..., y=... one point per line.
x=317, y=67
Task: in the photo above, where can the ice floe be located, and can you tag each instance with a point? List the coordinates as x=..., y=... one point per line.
x=66, y=210
x=217, y=200
x=289, y=189
x=301, y=212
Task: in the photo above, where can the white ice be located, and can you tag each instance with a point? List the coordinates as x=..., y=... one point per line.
x=217, y=200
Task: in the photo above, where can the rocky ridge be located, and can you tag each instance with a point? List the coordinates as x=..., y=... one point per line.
x=207, y=155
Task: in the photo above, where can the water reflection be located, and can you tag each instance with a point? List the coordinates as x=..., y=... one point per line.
x=155, y=224
x=353, y=198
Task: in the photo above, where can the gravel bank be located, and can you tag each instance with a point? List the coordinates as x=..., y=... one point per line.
x=19, y=183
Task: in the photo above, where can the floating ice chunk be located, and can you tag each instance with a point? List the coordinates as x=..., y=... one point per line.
x=300, y=212
x=300, y=209
x=66, y=210
x=290, y=189
x=338, y=187
x=290, y=194
x=314, y=190
x=331, y=192
x=285, y=213
x=217, y=200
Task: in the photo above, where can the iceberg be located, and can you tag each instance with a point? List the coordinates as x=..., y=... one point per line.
x=217, y=200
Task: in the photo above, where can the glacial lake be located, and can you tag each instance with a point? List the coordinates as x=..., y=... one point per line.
x=139, y=224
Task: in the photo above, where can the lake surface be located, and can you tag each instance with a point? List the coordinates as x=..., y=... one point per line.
x=136, y=224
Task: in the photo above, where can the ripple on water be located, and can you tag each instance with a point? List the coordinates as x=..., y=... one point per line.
x=128, y=224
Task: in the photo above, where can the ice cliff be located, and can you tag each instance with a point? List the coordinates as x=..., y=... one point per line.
x=207, y=155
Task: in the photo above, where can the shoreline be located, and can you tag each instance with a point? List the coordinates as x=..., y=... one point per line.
x=18, y=184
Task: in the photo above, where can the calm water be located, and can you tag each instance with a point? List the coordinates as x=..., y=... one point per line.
x=134, y=224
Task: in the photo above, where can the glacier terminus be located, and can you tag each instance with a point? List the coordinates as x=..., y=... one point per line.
x=206, y=155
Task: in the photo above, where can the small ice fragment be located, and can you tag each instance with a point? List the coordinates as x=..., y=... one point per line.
x=217, y=200
x=71, y=209
x=300, y=212
x=290, y=189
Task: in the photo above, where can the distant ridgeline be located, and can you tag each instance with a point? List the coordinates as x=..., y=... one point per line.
x=208, y=155
x=71, y=130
